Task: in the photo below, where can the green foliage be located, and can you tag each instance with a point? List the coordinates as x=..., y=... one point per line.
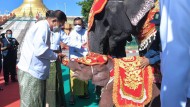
x=86, y=6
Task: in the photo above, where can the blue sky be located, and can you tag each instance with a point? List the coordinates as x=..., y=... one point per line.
x=72, y=9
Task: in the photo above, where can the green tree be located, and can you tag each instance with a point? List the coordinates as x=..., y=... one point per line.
x=86, y=6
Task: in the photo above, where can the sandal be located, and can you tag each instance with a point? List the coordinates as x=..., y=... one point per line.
x=72, y=100
x=85, y=96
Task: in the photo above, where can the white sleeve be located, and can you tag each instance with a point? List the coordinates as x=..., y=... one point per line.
x=86, y=36
x=73, y=41
x=41, y=49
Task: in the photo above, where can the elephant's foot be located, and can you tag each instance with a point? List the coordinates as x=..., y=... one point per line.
x=106, y=96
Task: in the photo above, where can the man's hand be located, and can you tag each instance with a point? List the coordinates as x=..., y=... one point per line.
x=144, y=62
x=5, y=48
x=60, y=56
x=84, y=45
x=64, y=46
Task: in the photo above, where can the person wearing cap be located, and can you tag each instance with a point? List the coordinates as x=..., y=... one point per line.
x=175, y=64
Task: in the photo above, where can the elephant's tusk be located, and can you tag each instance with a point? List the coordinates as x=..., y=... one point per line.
x=110, y=80
x=92, y=70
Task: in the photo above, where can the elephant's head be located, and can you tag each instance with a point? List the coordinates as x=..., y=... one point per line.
x=99, y=73
x=115, y=24
x=108, y=34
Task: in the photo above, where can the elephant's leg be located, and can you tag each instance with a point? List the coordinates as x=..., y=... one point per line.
x=155, y=101
x=106, y=96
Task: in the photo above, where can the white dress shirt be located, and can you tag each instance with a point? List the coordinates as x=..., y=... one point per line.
x=36, y=53
x=77, y=39
x=56, y=38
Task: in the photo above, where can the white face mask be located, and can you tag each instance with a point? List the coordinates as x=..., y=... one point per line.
x=9, y=35
x=56, y=29
x=77, y=28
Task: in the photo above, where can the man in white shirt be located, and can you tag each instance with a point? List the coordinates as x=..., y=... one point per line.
x=175, y=57
x=78, y=40
x=54, y=85
x=55, y=39
x=34, y=63
x=55, y=90
x=77, y=48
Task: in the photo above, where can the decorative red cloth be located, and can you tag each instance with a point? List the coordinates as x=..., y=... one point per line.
x=148, y=29
x=65, y=61
x=93, y=59
x=132, y=85
x=96, y=8
x=90, y=59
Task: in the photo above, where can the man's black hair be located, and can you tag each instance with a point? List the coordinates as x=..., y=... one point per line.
x=9, y=30
x=78, y=18
x=50, y=14
x=60, y=15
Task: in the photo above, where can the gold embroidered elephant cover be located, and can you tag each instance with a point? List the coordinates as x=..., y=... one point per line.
x=132, y=85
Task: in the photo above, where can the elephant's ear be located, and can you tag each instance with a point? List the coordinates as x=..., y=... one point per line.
x=137, y=9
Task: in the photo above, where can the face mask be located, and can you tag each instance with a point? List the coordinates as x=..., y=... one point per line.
x=56, y=29
x=78, y=28
x=9, y=35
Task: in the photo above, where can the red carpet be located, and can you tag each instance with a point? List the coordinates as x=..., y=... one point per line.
x=9, y=97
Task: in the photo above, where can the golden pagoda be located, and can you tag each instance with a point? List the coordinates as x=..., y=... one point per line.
x=30, y=8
